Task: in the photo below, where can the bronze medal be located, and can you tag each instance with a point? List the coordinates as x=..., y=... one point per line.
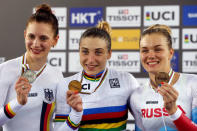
x=75, y=85
x=161, y=77
x=29, y=75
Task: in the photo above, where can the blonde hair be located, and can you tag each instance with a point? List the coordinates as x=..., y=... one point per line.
x=159, y=28
x=102, y=30
x=103, y=25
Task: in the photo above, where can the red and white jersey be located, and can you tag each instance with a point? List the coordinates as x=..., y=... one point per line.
x=149, y=112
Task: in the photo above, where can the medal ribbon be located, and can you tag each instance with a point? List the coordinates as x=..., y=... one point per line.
x=26, y=67
x=101, y=81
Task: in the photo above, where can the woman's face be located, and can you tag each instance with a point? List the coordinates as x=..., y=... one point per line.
x=93, y=54
x=155, y=54
x=39, y=38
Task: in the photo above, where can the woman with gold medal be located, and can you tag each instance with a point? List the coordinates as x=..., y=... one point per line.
x=105, y=92
x=28, y=84
x=168, y=102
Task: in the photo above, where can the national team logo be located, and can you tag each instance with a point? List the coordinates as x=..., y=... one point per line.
x=48, y=94
x=114, y=83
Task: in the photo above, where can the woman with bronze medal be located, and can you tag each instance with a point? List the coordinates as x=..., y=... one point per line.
x=168, y=102
x=104, y=91
x=28, y=83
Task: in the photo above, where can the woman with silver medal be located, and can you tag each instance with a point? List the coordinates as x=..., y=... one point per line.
x=104, y=91
x=28, y=84
x=168, y=102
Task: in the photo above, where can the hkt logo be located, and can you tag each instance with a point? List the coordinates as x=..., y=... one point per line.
x=85, y=16
x=169, y=15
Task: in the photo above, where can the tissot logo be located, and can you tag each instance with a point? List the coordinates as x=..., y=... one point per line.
x=61, y=44
x=175, y=38
x=189, y=62
x=85, y=16
x=169, y=15
x=61, y=14
x=189, y=38
x=127, y=61
x=74, y=36
x=57, y=59
x=128, y=16
x=189, y=15
x=123, y=57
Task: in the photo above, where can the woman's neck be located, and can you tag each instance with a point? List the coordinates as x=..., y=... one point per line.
x=35, y=64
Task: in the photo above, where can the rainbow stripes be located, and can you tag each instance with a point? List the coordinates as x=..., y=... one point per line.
x=8, y=111
x=60, y=118
x=72, y=124
x=63, y=118
x=46, y=116
x=93, y=77
x=105, y=118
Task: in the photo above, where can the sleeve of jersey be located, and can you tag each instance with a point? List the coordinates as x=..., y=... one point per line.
x=181, y=121
x=133, y=83
x=66, y=118
x=9, y=111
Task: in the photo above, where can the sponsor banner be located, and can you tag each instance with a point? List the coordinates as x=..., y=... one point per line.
x=189, y=38
x=61, y=14
x=85, y=16
x=175, y=62
x=125, y=16
x=57, y=59
x=189, y=62
x=74, y=37
x=189, y=15
x=125, y=61
x=2, y=59
x=61, y=44
x=125, y=39
x=175, y=39
x=74, y=62
x=164, y=14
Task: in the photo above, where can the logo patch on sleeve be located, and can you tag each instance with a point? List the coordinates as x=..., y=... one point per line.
x=114, y=83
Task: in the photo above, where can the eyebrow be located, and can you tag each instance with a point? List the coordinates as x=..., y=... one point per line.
x=94, y=49
x=154, y=46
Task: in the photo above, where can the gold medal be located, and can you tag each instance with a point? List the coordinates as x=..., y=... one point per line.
x=75, y=85
x=29, y=75
x=161, y=77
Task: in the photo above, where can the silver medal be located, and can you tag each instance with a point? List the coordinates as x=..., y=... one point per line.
x=29, y=75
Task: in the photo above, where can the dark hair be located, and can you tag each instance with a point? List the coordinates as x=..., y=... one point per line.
x=44, y=14
x=102, y=31
x=157, y=28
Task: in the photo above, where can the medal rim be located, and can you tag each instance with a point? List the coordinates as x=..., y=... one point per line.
x=70, y=87
x=157, y=76
x=30, y=79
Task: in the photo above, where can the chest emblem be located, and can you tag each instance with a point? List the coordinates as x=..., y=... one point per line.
x=48, y=95
x=114, y=83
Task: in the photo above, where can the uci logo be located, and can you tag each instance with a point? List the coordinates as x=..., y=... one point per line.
x=167, y=15
x=190, y=38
